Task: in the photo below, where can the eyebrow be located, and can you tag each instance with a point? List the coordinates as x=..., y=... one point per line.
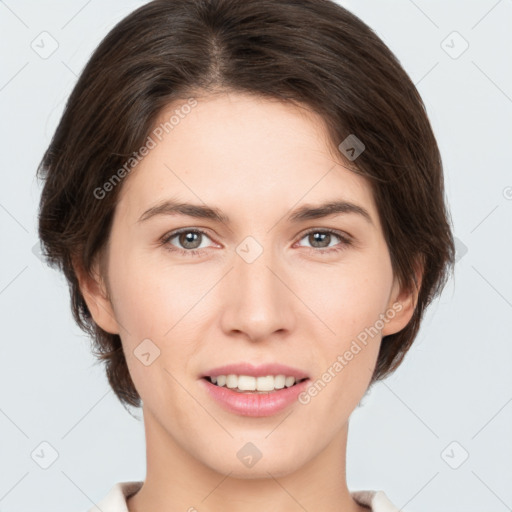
x=306, y=212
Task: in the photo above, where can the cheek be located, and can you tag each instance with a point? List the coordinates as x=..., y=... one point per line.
x=354, y=298
x=347, y=358
x=350, y=298
x=154, y=304
x=148, y=300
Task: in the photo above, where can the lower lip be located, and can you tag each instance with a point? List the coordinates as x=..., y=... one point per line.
x=255, y=404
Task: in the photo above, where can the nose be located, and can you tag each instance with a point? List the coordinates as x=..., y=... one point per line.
x=256, y=299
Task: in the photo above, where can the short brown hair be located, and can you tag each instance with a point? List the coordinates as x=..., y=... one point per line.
x=313, y=53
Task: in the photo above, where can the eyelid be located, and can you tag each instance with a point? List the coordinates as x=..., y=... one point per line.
x=172, y=234
x=341, y=234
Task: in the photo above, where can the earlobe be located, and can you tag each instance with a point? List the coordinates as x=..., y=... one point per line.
x=402, y=305
x=96, y=296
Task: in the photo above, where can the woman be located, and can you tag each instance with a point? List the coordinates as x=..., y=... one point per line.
x=247, y=201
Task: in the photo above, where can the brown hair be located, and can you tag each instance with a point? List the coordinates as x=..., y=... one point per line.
x=313, y=53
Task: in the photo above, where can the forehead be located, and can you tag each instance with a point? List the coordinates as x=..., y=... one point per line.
x=242, y=151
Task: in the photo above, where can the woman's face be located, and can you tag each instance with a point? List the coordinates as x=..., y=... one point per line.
x=264, y=285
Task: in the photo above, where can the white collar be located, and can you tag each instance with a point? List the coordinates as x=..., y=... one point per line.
x=115, y=500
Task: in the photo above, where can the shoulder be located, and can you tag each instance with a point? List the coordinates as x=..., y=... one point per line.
x=115, y=500
x=377, y=501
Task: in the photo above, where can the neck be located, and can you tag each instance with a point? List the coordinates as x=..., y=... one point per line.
x=176, y=480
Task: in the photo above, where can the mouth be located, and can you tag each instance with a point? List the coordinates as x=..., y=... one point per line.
x=254, y=385
x=256, y=396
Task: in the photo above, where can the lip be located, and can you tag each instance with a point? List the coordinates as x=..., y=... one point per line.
x=254, y=404
x=256, y=371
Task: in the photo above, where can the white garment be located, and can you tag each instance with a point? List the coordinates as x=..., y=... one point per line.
x=115, y=500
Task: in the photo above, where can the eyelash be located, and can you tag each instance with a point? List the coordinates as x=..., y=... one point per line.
x=345, y=241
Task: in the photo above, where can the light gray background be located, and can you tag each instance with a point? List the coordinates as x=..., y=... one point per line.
x=455, y=384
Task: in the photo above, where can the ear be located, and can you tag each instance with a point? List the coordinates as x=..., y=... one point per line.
x=402, y=302
x=95, y=292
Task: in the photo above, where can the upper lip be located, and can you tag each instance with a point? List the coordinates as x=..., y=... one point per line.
x=256, y=371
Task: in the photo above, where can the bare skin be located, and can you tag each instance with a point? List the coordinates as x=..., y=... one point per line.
x=300, y=303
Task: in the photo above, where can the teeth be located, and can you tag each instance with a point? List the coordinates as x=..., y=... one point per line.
x=248, y=383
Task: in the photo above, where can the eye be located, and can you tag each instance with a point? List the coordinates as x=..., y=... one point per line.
x=322, y=238
x=189, y=239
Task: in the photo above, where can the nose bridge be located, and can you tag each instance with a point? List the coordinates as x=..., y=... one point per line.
x=258, y=303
